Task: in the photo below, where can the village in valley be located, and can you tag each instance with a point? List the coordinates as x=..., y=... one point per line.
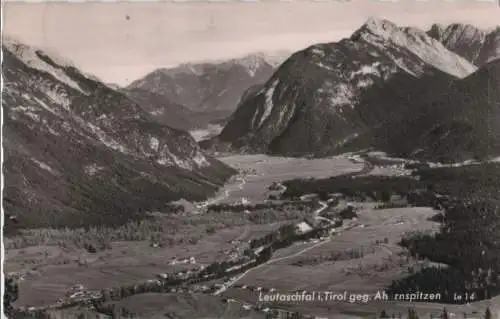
x=331, y=214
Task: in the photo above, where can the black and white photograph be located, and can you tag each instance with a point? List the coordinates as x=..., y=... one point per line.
x=279, y=159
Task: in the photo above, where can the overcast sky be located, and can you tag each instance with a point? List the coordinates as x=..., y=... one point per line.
x=122, y=42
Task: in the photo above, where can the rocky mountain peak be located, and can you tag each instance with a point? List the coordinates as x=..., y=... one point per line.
x=437, y=30
x=258, y=59
x=441, y=30
x=26, y=53
x=381, y=27
x=186, y=68
x=474, y=44
x=37, y=59
x=385, y=34
x=387, y=30
x=251, y=63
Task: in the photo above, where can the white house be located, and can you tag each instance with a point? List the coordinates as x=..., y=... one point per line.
x=303, y=228
x=162, y=276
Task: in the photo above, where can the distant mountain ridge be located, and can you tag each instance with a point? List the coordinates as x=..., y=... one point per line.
x=476, y=45
x=78, y=152
x=210, y=86
x=251, y=62
x=326, y=95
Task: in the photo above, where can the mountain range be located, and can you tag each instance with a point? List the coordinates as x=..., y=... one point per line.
x=332, y=97
x=77, y=152
x=210, y=90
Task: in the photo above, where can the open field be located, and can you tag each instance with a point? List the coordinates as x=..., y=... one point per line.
x=200, y=306
x=364, y=275
x=376, y=232
x=168, y=305
x=125, y=263
x=269, y=169
x=293, y=249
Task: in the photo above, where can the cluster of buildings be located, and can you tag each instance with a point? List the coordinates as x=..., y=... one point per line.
x=233, y=254
x=356, y=159
x=183, y=274
x=175, y=261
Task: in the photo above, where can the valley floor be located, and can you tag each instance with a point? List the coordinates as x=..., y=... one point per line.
x=258, y=172
x=49, y=271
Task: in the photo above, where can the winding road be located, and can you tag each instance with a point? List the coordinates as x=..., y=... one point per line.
x=222, y=196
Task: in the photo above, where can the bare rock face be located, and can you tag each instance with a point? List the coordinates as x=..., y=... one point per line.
x=77, y=152
x=476, y=45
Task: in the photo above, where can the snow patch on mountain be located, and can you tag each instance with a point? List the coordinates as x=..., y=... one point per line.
x=251, y=63
x=154, y=143
x=342, y=95
x=256, y=60
x=201, y=160
x=44, y=166
x=157, y=112
x=168, y=158
x=364, y=83
x=268, y=104
x=324, y=66
x=367, y=70
x=318, y=51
